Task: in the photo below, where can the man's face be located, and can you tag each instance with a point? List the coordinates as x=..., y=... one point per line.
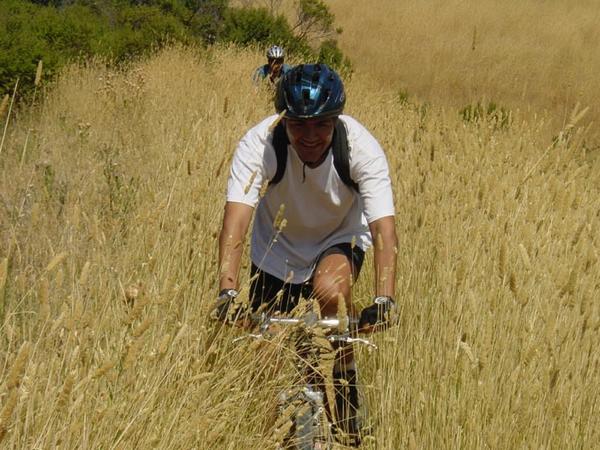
x=275, y=65
x=310, y=137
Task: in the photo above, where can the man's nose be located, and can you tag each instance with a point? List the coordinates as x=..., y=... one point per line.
x=310, y=133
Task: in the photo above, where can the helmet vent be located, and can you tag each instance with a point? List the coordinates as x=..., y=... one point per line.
x=306, y=96
x=315, y=77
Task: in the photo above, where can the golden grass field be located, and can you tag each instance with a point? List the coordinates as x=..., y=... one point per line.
x=111, y=200
x=523, y=54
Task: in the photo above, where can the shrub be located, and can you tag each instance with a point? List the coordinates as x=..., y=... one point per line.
x=491, y=112
x=330, y=54
x=57, y=31
x=256, y=26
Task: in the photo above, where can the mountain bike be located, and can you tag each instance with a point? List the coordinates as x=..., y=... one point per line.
x=310, y=425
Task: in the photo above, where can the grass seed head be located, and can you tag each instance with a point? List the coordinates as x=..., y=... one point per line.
x=38, y=73
x=3, y=273
x=43, y=299
x=16, y=371
x=56, y=261
x=4, y=105
x=7, y=411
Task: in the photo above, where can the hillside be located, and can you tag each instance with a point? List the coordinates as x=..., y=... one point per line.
x=112, y=193
x=525, y=55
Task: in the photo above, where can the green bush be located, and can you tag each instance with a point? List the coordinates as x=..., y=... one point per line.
x=491, y=112
x=28, y=34
x=257, y=26
x=330, y=54
x=59, y=31
x=139, y=29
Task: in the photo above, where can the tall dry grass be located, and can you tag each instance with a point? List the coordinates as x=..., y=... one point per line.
x=523, y=54
x=108, y=270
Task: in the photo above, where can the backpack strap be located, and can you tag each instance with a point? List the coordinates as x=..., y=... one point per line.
x=280, y=143
x=341, y=155
x=339, y=148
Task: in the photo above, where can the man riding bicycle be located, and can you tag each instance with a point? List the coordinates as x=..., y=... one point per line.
x=329, y=197
x=275, y=67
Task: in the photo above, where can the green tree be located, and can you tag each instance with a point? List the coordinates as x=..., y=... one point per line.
x=314, y=20
x=58, y=31
x=330, y=54
x=250, y=26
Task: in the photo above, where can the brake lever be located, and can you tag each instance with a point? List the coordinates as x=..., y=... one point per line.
x=249, y=336
x=351, y=340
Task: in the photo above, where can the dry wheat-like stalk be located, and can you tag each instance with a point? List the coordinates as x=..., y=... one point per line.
x=56, y=261
x=460, y=273
x=84, y=274
x=263, y=189
x=502, y=261
x=4, y=105
x=512, y=284
x=65, y=394
x=141, y=329
x=60, y=277
x=250, y=182
x=16, y=371
x=164, y=344
x=7, y=411
x=180, y=334
x=342, y=314
x=103, y=369
x=412, y=441
x=569, y=287
x=138, y=308
x=379, y=242
x=277, y=120
x=131, y=293
x=216, y=431
x=279, y=216
x=43, y=299
x=282, y=225
x=132, y=353
x=525, y=256
x=14, y=95
x=281, y=431
x=38, y=73
x=3, y=273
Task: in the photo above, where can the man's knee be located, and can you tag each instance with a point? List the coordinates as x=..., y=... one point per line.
x=329, y=291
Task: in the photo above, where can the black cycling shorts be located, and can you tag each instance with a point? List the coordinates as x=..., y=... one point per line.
x=264, y=287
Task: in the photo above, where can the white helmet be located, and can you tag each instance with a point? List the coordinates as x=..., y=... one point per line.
x=275, y=52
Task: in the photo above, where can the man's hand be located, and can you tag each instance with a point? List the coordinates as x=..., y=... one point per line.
x=224, y=307
x=379, y=314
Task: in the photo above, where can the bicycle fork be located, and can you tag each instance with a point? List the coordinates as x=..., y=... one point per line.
x=307, y=432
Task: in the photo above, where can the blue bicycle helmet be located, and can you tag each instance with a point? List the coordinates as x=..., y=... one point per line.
x=309, y=91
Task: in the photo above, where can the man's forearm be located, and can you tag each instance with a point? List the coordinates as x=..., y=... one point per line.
x=385, y=253
x=385, y=271
x=231, y=243
x=230, y=255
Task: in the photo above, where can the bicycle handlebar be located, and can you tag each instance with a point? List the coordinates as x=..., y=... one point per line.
x=310, y=320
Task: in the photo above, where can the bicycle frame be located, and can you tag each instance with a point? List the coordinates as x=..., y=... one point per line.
x=311, y=427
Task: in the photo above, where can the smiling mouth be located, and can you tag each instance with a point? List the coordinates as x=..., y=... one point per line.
x=311, y=146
